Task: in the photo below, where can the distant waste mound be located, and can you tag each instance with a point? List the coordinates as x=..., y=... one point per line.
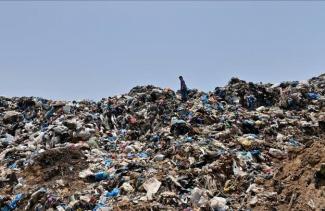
x=239, y=147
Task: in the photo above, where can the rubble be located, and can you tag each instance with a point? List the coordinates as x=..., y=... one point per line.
x=244, y=146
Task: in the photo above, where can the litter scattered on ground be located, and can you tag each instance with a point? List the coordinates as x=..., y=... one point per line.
x=245, y=146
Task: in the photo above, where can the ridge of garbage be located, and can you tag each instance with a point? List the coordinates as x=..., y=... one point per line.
x=244, y=146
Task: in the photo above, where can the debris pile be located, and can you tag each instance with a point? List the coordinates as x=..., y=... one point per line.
x=245, y=146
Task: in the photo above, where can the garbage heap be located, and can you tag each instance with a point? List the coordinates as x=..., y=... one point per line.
x=245, y=146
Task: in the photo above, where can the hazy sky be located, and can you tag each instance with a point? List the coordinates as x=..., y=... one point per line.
x=77, y=50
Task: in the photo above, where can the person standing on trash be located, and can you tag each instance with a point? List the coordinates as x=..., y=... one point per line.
x=184, y=91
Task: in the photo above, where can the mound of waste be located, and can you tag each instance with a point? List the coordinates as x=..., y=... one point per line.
x=244, y=146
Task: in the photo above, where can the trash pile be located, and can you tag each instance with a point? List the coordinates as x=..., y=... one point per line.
x=245, y=146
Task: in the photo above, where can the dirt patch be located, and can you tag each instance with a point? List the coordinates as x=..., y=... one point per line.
x=296, y=182
x=56, y=169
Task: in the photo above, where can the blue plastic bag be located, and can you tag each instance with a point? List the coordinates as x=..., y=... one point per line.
x=313, y=96
x=113, y=193
x=13, y=204
x=99, y=176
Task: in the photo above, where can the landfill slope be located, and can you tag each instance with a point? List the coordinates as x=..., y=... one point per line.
x=244, y=146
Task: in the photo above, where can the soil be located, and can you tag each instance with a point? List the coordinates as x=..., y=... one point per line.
x=57, y=169
x=295, y=181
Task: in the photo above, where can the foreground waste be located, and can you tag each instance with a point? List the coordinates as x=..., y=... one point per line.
x=244, y=146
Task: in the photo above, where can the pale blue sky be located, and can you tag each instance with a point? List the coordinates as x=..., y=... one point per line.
x=77, y=50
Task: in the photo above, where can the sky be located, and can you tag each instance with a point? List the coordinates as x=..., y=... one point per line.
x=75, y=50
